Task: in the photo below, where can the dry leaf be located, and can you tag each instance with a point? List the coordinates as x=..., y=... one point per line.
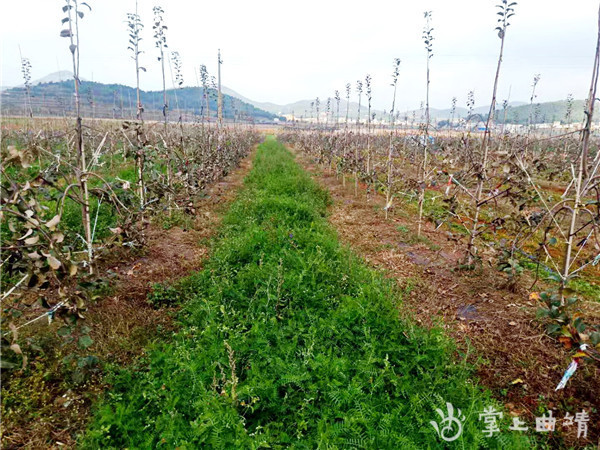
x=29, y=232
x=32, y=240
x=16, y=348
x=566, y=341
x=34, y=255
x=51, y=224
x=53, y=262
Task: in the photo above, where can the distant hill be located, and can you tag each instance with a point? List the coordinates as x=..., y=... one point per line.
x=119, y=101
x=545, y=112
x=53, y=95
x=55, y=77
x=517, y=112
x=303, y=107
x=460, y=112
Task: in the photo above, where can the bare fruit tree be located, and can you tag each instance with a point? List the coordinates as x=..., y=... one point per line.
x=506, y=11
x=74, y=14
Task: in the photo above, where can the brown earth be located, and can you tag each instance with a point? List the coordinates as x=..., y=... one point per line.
x=122, y=325
x=496, y=329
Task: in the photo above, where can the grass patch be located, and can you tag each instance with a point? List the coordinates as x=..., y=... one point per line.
x=589, y=290
x=177, y=218
x=580, y=286
x=412, y=238
x=289, y=340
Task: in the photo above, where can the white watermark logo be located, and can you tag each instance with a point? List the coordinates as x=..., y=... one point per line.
x=451, y=426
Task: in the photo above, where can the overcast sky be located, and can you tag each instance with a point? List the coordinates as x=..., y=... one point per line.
x=282, y=51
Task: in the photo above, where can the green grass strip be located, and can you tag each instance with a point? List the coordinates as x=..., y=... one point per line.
x=289, y=340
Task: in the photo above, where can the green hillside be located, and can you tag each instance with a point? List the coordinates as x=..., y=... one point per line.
x=119, y=101
x=544, y=112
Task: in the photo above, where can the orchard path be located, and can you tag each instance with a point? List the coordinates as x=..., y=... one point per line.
x=287, y=339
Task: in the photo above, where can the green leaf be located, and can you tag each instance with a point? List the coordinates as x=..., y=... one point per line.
x=553, y=329
x=85, y=341
x=64, y=331
x=4, y=364
x=554, y=276
x=542, y=312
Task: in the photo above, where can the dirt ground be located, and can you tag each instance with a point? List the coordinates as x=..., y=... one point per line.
x=497, y=329
x=122, y=324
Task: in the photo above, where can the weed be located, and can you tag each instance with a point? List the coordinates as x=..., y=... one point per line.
x=414, y=239
x=177, y=218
